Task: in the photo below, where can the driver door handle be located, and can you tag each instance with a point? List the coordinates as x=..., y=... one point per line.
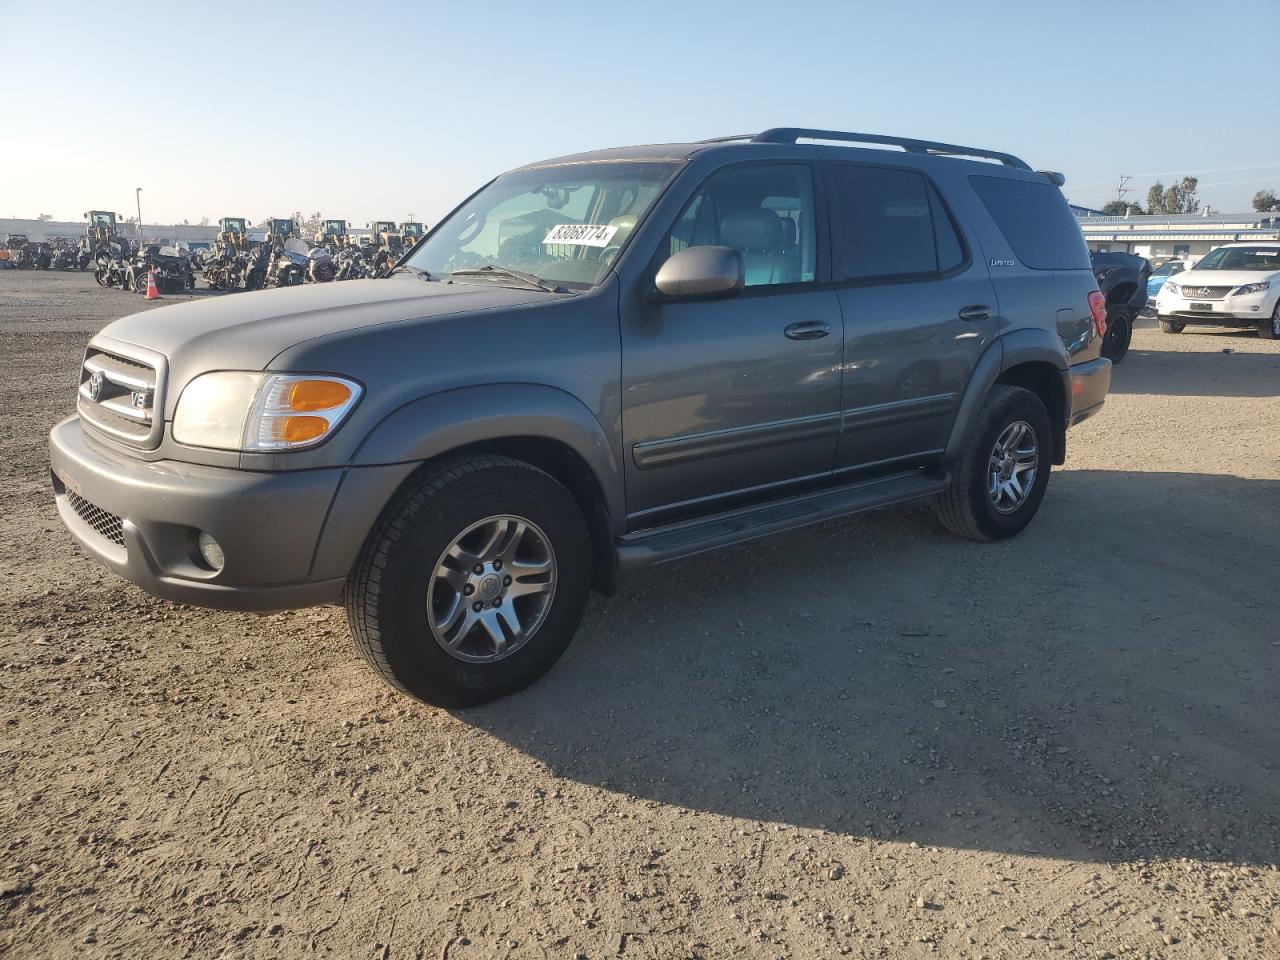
x=807, y=330
x=979, y=311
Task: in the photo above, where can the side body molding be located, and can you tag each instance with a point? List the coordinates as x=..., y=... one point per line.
x=465, y=416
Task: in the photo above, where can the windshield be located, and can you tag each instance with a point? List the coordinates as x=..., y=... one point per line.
x=1167, y=269
x=101, y=219
x=562, y=224
x=1265, y=259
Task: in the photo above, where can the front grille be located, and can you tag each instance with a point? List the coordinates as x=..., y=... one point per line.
x=118, y=396
x=106, y=525
x=1205, y=293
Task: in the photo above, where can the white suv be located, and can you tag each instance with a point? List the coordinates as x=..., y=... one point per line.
x=1236, y=285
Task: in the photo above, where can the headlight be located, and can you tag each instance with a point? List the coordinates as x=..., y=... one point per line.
x=230, y=410
x=1172, y=288
x=1251, y=288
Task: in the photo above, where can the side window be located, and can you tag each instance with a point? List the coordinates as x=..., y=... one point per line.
x=765, y=212
x=1035, y=219
x=890, y=223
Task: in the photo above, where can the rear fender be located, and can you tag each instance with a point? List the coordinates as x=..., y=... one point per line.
x=1018, y=347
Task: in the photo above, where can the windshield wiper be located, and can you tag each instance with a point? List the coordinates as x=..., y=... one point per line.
x=416, y=271
x=490, y=270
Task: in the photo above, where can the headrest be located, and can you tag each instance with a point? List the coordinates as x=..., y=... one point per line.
x=751, y=229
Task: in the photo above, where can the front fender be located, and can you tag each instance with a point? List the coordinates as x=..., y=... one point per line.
x=445, y=421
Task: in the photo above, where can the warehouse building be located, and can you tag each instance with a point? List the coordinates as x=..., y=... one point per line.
x=1181, y=235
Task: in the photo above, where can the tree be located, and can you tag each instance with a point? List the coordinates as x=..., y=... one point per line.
x=1179, y=197
x=1266, y=201
x=1118, y=208
x=308, y=226
x=45, y=217
x=204, y=221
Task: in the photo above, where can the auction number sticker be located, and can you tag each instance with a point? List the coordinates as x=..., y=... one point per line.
x=581, y=234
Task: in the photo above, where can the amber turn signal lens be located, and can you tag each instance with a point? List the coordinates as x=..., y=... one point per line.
x=302, y=429
x=317, y=395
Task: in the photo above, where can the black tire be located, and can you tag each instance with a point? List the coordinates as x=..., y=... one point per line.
x=1171, y=326
x=1270, y=329
x=386, y=593
x=1119, y=332
x=966, y=508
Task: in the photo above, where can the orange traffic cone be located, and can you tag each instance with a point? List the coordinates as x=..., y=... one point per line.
x=153, y=292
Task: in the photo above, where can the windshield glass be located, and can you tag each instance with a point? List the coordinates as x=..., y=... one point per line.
x=562, y=224
x=1242, y=258
x=1167, y=270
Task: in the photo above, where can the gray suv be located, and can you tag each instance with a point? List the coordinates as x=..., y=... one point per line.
x=595, y=363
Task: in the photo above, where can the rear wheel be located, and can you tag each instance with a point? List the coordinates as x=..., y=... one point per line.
x=999, y=480
x=473, y=582
x=1119, y=332
x=1270, y=330
x=1171, y=326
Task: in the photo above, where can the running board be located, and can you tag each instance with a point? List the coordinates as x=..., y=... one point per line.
x=689, y=537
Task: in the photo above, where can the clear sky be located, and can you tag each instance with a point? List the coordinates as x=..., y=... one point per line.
x=378, y=110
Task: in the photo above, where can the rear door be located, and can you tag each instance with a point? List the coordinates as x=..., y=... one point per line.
x=918, y=309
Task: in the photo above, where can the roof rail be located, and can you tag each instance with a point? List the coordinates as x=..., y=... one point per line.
x=792, y=134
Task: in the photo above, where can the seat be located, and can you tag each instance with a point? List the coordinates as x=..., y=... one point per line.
x=760, y=236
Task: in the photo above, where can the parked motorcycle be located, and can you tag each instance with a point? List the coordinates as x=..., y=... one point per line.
x=40, y=255
x=110, y=267
x=352, y=264
x=320, y=266
x=170, y=266
x=64, y=256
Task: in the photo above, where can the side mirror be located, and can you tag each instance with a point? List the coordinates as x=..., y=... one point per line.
x=701, y=272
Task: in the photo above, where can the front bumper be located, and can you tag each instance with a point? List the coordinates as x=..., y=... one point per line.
x=1090, y=382
x=142, y=520
x=1233, y=311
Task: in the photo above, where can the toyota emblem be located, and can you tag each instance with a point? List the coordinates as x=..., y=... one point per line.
x=95, y=386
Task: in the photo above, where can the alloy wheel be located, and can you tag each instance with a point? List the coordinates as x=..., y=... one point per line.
x=491, y=589
x=1014, y=462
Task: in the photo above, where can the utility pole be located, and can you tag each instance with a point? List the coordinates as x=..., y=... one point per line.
x=1123, y=187
x=137, y=195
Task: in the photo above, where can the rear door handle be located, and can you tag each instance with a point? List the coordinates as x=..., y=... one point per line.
x=807, y=330
x=979, y=311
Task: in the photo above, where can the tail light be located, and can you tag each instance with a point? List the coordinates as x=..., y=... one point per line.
x=1098, y=307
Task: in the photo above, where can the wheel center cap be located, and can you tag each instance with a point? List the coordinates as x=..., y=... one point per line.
x=490, y=586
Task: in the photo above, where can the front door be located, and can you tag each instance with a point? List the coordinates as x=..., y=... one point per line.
x=739, y=398
x=918, y=311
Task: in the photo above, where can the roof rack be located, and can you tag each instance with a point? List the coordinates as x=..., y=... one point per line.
x=930, y=147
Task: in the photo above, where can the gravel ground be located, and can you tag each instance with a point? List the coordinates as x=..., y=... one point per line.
x=866, y=739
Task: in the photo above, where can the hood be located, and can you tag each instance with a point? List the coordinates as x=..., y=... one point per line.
x=246, y=330
x=1221, y=278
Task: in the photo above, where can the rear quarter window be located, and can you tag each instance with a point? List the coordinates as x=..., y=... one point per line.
x=1036, y=221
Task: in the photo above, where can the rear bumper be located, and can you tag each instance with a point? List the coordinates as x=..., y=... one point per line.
x=142, y=519
x=1090, y=382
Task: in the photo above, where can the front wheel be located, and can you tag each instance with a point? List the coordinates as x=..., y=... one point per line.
x=472, y=583
x=999, y=479
x=1171, y=326
x=1270, y=329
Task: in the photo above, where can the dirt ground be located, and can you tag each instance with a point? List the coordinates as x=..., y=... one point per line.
x=867, y=739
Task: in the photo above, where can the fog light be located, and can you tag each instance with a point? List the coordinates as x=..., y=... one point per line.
x=211, y=551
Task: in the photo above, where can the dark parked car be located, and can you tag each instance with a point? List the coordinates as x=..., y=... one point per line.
x=1122, y=278
x=595, y=363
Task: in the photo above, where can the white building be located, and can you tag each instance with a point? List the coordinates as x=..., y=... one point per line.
x=1178, y=235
